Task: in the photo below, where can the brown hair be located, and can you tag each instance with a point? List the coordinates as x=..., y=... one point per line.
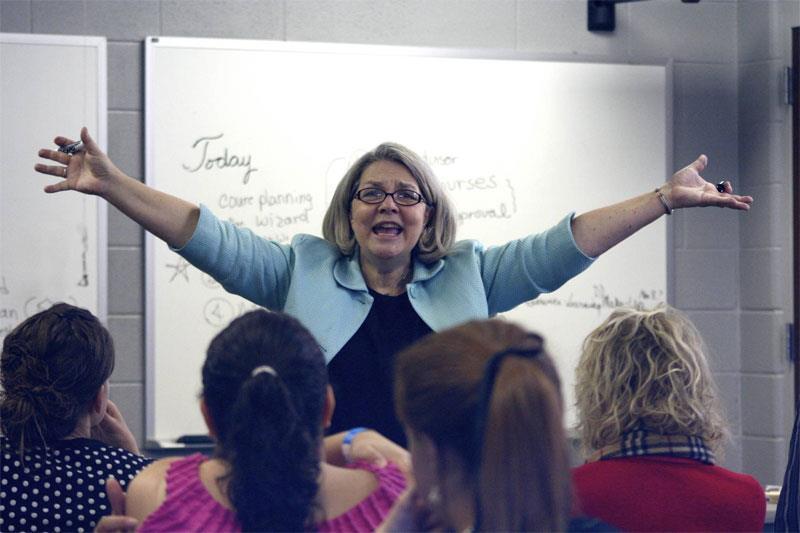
x=521, y=477
x=51, y=369
x=440, y=232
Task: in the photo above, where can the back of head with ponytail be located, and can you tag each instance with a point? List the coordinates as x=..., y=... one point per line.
x=51, y=369
x=268, y=425
x=518, y=466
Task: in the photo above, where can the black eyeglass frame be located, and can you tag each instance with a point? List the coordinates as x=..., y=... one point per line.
x=420, y=200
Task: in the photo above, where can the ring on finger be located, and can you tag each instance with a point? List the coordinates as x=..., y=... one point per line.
x=65, y=172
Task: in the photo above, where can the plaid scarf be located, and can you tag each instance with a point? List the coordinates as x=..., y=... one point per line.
x=640, y=442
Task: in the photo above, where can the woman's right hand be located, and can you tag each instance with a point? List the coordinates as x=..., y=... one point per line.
x=113, y=431
x=88, y=170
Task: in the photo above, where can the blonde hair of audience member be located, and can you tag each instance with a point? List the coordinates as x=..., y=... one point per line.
x=646, y=369
x=518, y=478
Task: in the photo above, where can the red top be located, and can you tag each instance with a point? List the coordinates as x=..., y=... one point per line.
x=657, y=493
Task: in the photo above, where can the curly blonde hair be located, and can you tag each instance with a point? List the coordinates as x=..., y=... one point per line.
x=646, y=369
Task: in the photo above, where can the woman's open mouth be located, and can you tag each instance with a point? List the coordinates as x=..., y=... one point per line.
x=387, y=228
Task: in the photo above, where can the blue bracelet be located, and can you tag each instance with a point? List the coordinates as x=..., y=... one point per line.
x=347, y=442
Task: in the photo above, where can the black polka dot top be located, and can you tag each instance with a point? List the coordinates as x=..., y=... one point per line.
x=60, y=487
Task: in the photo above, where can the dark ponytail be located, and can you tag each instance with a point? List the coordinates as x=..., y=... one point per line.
x=264, y=383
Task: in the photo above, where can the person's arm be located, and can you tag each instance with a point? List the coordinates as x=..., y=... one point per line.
x=90, y=171
x=113, y=430
x=598, y=230
x=369, y=446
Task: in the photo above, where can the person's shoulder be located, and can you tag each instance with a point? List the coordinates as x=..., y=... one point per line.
x=10, y=453
x=747, y=498
x=5, y=444
x=589, y=468
x=746, y=482
x=465, y=247
x=106, y=450
x=596, y=474
x=153, y=473
x=305, y=241
x=148, y=489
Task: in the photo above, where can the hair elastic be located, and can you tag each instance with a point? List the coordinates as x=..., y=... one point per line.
x=263, y=368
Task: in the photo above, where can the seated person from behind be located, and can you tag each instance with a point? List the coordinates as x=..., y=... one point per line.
x=650, y=421
x=787, y=513
x=266, y=401
x=62, y=436
x=482, y=410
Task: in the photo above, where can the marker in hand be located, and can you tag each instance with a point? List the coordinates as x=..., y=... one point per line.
x=71, y=148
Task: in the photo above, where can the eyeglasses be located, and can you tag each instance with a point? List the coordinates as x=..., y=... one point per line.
x=405, y=197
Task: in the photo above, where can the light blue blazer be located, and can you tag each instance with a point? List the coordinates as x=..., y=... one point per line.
x=311, y=280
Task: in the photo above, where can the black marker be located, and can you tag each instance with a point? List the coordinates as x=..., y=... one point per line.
x=71, y=148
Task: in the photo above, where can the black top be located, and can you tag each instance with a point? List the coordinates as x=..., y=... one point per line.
x=60, y=487
x=787, y=514
x=587, y=524
x=361, y=373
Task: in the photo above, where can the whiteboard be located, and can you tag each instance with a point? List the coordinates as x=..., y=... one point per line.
x=52, y=247
x=261, y=132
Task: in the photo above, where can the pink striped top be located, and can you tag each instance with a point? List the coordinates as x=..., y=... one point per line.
x=189, y=506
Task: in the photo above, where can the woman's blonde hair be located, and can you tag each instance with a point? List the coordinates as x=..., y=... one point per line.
x=646, y=369
x=440, y=231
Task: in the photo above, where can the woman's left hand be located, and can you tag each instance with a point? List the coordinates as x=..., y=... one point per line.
x=113, y=430
x=687, y=188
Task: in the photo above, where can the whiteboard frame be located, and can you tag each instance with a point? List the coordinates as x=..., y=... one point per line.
x=154, y=42
x=100, y=135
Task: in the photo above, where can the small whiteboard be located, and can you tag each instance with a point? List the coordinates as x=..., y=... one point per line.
x=52, y=247
x=261, y=132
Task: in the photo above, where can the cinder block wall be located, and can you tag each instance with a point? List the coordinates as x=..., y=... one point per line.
x=764, y=50
x=731, y=272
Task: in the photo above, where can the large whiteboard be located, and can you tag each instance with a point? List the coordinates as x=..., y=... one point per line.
x=261, y=132
x=52, y=248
